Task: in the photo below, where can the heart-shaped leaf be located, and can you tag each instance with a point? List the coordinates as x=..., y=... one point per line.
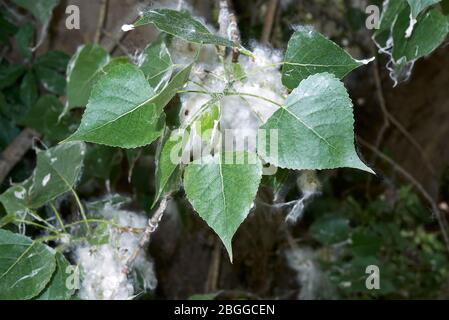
x=222, y=190
x=156, y=64
x=309, y=52
x=41, y=9
x=26, y=266
x=57, y=287
x=428, y=33
x=82, y=72
x=181, y=24
x=315, y=127
x=57, y=170
x=418, y=6
x=123, y=110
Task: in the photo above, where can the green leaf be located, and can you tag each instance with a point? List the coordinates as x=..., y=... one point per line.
x=100, y=235
x=309, y=52
x=222, y=191
x=238, y=71
x=207, y=120
x=165, y=166
x=9, y=74
x=315, y=127
x=99, y=161
x=82, y=71
x=41, y=9
x=57, y=170
x=57, y=288
x=15, y=199
x=123, y=110
x=24, y=39
x=55, y=60
x=181, y=24
x=132, y=155
x=365, y=242
x=330, y=229
x=204, y=296
x=389, y=15
x=28, y=89
x=49, y=69
x=26, y=266
x=418, y=6
x=44, y=117
x=7, y=28
x=428, y=33
x=156, y=64
x=8, y=132
x=51, y=80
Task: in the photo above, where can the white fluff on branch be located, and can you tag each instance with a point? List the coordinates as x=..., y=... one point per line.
x=102, y=265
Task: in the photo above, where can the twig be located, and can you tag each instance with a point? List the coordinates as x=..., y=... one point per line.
x=23, y=142
x=214, y=268
x=235, y=36
x=223, y=18
x=228, y=26
x=268, y=22
x=110, y=43
x=389, y=118
x=101, y=18
x=118, y=43
x=383, y=105
x=16, y=150
x=434, y=207
x=413, y=141
x=153, y=223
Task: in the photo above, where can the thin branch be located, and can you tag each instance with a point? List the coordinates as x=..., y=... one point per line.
x=383, y=105
x=16, y=150
x=235, y=36
x=227, y=21
x=268, y=22
x=110, y=43
x=101, y=18
x=434, y=207
x=23, y=142
x=214, y=268
x=388, y=118
x=118, y=43
x=153, y=223
x=223, y=18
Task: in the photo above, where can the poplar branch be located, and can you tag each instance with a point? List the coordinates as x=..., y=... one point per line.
x=153, y=223
x=16, y=150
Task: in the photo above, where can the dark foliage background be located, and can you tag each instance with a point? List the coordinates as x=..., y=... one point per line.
x=358, y=219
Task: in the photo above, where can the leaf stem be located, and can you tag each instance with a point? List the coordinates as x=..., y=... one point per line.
x=254, y=96
x=81, y=207
x=58, y=217
x=37, y=225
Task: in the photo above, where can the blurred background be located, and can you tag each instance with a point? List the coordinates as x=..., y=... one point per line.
x=395, y=220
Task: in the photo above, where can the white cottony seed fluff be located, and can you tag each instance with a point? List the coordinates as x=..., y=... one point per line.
x=102, y=265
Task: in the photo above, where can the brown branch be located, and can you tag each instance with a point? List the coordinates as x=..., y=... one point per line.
x=101, y=18
x=268, y=22
x=388, y=118
x=214, y=268
x=434, y=207
x=23, y=142
x=153, y=223
x=228, y=26
x=16, y=150
x=235, y=36
x=383, y=105
x=111, y=43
